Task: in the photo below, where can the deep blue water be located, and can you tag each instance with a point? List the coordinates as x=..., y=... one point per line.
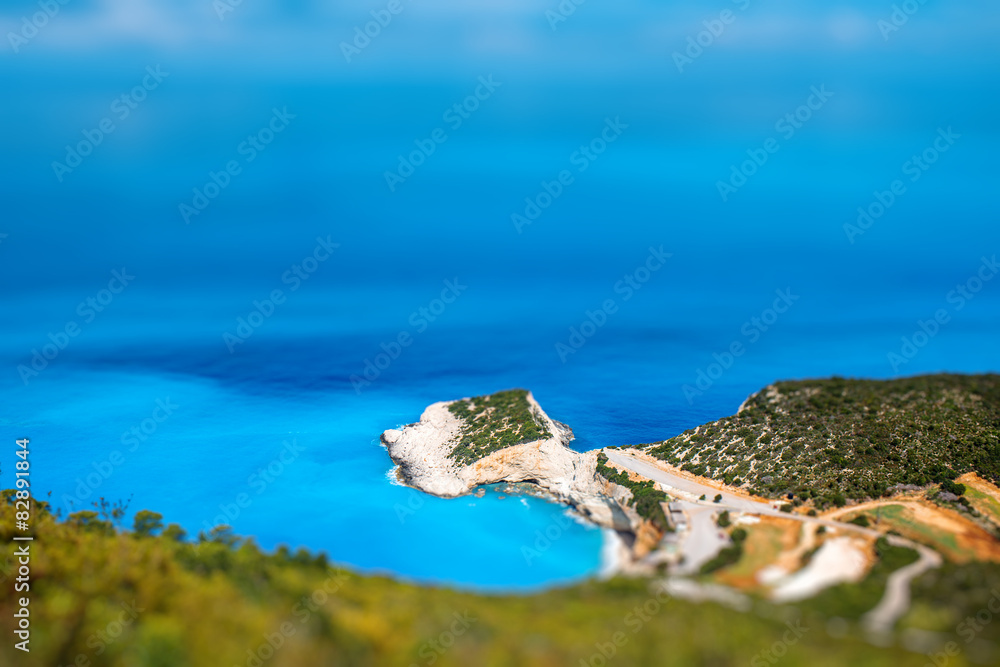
x=324, y=176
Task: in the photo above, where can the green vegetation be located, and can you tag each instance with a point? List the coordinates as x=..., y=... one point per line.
x=948, y=486
x=728, y=555
x=121, y=599
x=493, y=422
x=723, y=521
x=645, y=497
x=827, y=441
x=984, y=503
x=901, y=520
x=945, y=598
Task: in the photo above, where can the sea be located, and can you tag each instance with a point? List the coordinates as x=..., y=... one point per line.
x=215, y=303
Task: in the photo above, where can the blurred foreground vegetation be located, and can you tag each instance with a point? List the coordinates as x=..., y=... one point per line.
x=103, y=596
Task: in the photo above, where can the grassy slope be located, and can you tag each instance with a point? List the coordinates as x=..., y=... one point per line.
x=835, y=439
x=645, y=497
x=493, y=422
x=213, y=603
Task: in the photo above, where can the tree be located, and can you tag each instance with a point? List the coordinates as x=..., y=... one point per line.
x=718, y=498
x=723, y=520
x=221, y=534
x=147, y=523
x=88, y=520
x=175, y=532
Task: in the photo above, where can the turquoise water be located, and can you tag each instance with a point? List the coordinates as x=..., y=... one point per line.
x=569, y=306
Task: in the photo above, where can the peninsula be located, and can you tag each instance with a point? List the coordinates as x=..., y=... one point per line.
x=812, y=486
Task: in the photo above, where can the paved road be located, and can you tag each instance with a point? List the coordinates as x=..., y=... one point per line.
x=704, y=546
x=729, y=501
x=704, y=539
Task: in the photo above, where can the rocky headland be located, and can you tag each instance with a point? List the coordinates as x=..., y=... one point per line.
x=458, y=446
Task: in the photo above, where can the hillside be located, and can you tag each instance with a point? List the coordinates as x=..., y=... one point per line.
x=838, y=439
x=104, y=597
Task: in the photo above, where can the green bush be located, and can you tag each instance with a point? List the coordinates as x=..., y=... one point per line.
x=645, y=497
x=727, y=556
x=494, y=422
x=950, y=486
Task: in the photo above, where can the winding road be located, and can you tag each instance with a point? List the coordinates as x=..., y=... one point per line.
x=703, y=541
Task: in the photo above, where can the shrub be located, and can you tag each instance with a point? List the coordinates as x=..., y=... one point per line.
x=147, y=523
x=728, y=556
x=950, y=486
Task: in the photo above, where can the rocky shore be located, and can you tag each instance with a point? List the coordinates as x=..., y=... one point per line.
x=423, y=453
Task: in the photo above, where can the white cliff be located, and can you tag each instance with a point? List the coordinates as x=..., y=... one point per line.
x=422, y=452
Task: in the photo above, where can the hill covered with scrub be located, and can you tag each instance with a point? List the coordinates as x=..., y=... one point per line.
x=101, y=596
x=837, y=439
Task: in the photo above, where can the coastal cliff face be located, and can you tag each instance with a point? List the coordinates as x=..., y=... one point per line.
x=424, y=453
